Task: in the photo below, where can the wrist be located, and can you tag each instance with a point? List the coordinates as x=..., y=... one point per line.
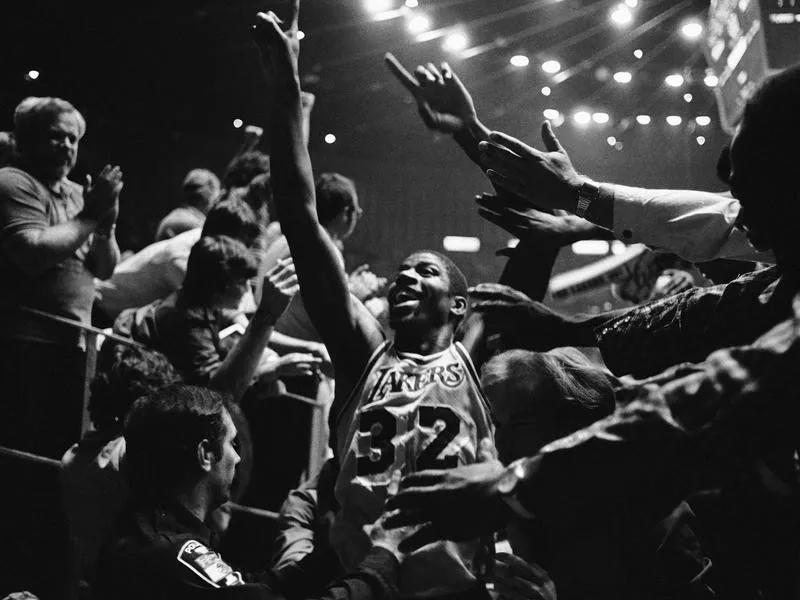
x=106, y=232
x=508, y=486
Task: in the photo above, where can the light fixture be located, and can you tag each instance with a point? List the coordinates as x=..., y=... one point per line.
x=701, y=140
x=674, y=120
x=688, y=97
x=237, y=123
x=455, y=42
x=582, y=117
x=590, y=247
x=551, y=114
x=674, y=80
x=643, y=119
x=621, y=15
x=519, y=60
x=460, y=243
x=601, y=118
x=623, y=76
x=611, y=140
x=330, y=138
x=631, y=3
x=711, y=80
x=301, y=35
x=546, y=91
x=412, y=3
x=32, y=75
x=692, y=30
x=418, y=24
x=551, y=66
x=703, y=120
x=377, y=6
x=638, y=53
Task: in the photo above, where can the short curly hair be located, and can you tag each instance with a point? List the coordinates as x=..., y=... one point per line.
x=125, y=373
x=215, y=263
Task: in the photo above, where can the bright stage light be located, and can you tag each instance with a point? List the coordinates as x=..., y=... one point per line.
x=551, y=114
x=674, y=80
x=32, y=75
x=711, y=80
x=546, y=91
x=631, y=3
x=674, y=120
x=703, y=120
x=330, y=139
x=590, y=247
x=377, y=6
x=621, y=15
x=460, y=243
x=418, y=24
x=688, y=97
x=643, y=119
x=601, y=118
x=455, y=42
x=638, y=53
x=551, y=66
x=519, y=60
x=700, y=140
x=611, y=140
x=412, y=3
x=582, y=117
x=692, y=30
x=237, y=123
x=623, y=77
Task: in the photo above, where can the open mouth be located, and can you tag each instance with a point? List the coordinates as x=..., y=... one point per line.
x=404, y=297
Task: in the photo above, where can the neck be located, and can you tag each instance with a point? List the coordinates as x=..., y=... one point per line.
x=197, y=501
x=48, y=178
x=429, y=341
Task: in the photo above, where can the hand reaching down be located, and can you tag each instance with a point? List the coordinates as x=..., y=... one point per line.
x=552, y=228
x=443, y=102
x=544, y=179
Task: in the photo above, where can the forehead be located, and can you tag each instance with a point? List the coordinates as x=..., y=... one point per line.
x=66, y=121
x=419, y=258
x=230, y=428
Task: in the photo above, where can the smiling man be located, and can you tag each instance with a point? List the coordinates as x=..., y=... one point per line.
x=405, y=405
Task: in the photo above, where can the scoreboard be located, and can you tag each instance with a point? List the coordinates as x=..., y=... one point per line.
x=746, y=41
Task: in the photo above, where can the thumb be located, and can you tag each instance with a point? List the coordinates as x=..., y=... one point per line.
x=486, y=451
x=550, y=140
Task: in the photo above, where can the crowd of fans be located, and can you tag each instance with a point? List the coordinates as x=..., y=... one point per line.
x=481, y=444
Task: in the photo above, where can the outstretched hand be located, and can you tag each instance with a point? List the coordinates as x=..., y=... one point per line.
x=279, y=47
x=445, y=502
x=443, y=102
x=545, y=179
x=555, y=228
x=280, y=285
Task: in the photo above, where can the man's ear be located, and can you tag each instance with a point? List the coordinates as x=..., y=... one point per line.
x=205, y=457
x=458, y=306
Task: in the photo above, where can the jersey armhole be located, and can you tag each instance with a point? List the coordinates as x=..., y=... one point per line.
x=462, y=351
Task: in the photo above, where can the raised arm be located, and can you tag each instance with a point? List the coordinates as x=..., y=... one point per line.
x=350, y=333
x=444, y=103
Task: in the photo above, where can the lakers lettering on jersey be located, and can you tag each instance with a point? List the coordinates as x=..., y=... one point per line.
x=408, y=412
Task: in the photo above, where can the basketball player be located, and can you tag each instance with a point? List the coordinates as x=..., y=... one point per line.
x=406, y=405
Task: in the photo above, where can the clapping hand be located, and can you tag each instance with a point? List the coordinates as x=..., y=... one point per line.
x=443, y=102
x=101, y=197
x=544, y=179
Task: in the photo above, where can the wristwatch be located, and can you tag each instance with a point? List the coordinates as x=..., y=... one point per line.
x=587, y=193
x=507, y=487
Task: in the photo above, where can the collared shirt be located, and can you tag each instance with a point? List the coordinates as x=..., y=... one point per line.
x=697, y=226
x=168, y=553
x=65, y=289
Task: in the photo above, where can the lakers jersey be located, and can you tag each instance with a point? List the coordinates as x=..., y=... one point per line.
x=408, y=412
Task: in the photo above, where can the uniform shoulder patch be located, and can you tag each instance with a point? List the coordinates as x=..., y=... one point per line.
x=208, y=565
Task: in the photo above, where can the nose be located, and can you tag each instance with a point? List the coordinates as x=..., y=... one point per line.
x=407, y=275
